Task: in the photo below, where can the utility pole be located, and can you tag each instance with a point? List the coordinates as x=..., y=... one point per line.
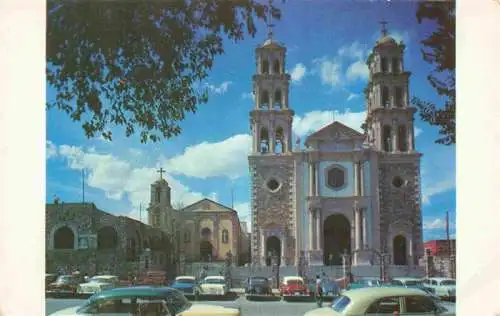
x=83, y=185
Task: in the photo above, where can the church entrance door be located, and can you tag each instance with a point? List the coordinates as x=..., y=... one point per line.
x=206, y=251
x=273, y=248
x=336, y=239
x=399, y=250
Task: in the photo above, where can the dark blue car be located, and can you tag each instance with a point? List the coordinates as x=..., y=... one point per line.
x=187, y=285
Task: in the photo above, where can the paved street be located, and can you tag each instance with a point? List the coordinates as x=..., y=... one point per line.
x=249, y=308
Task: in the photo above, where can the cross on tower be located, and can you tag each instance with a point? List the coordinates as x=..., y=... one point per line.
x=161, y=171
x=269, y=20
x=383, y=23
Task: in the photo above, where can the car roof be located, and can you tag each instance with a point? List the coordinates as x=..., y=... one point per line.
x=148, y=291
x=406, y=279
x=104, y=276
x=441, y=279
x=364, y=297
x=214, y=277
x=185, y=277
x=290, y=278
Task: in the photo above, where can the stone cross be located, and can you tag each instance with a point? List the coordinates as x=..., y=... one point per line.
x=269, y=20
x=383, y=23
x=161, y=171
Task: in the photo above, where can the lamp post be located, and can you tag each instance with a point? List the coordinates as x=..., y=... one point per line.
x=276, y=266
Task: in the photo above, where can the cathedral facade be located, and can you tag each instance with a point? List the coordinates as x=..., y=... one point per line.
x=347, y=194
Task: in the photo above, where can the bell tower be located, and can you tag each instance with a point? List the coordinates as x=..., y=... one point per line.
x=160, y=207
x=390, y=129
x=271, y=160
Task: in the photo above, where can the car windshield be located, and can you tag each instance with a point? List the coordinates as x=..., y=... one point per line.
x=64, y=279
x=214, y=281
x=258, y=280
x=294, y=282
x=448, y=282
x=340, y=303
x=185, y=281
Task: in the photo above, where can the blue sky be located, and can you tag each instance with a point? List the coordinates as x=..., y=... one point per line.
x=327, y=43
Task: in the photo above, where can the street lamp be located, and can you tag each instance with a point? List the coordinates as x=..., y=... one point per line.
x=276, y=266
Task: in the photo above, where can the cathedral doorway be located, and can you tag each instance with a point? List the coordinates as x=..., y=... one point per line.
x=273, y=248
x=206, y=251
x=399, y=250
x=64, y=238
x=336, y=239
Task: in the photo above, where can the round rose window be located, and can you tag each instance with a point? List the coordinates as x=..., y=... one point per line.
x=397, y=182
x=273, y=185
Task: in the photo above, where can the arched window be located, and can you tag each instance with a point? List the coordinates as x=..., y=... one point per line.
x=398, y=97
x=276, y=66
x=264, y=140
x=402, y=139
x=279, y=143
x=277, y=99
x=158, y=194
x=399, y=250
x=225, y=236
x=64, y=238
x=107, y=238
x=265, y=66
x=386, y=103
x=395, y=65
x=187, y=236
x=386, y=137
x=384, y=65
x=264, y=100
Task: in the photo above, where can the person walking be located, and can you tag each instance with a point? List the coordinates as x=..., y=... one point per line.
x=319, y=292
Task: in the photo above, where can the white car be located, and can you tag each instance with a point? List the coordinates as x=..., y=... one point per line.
x=97, y=284
x=384, y=301
x=214, y=285
x=445, y=288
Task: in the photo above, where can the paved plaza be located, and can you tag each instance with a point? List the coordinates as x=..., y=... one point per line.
x=248, y=308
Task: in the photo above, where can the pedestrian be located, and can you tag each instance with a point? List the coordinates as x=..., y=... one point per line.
x=319, y=292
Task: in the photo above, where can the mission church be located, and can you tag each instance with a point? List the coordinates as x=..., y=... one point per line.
x=347, y=192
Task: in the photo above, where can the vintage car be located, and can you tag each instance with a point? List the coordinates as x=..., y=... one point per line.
x=187, y=285
x=152, y=277
x=63, y=285
x=408, y=282
x=294, y=286
x=384, y=301
x=364, y=282
x=98, y=283
x=49, y=278
x=258, y=286
x=214, y=285
x=445, y=288
x=145, y=300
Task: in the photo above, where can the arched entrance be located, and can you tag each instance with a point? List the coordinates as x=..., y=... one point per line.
x=399, y=250
x=336, y=239
x=273, y=248
x=64, y=238
x=107, y=238
x=206, y=250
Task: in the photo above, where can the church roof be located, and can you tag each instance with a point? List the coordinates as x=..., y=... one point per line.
x=272, y=43
x=335, y=130
x=207, y=205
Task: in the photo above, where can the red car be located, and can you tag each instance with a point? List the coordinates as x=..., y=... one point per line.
x=294, y=286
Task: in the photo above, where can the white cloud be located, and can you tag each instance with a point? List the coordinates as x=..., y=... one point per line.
x=436, y=188
x=435, y=224
x=248, y=95
x=417, y=131
x=298, y=72
x=118, y=178
x=354, y=51
x=352, y=96
x=220, y=89
x=316, y=120
x=50, y=150
x=214, y=197
x=330, y=71
x=400, y=36
x=357, y=70
x=225, y=158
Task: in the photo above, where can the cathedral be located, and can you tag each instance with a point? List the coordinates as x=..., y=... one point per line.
x=347, y=194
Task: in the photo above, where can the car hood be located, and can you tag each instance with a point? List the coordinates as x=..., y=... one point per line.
x=212, y=285
x=323, y=311
x=71, y=311
x=95, y=284
x=205, y=309
x=58, y=284
x=183, y=286
x=295, y=287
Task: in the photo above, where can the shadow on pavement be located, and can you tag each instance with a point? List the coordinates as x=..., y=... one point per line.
x=231, y=296
x=263, y=298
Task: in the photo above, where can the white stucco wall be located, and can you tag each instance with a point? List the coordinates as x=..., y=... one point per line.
x=347, y=190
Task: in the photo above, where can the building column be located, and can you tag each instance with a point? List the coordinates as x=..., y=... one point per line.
x=356, y=178
x=311, y=179
x=361, y=178
x=256, y=137
x=283, y=250
x=272, y=139
x=318, y=229
x=366, y=242
x=357, y=229
x=394, y=138
x=411, y=137
x=262, y=248
x=311, y=229
x=316, y=179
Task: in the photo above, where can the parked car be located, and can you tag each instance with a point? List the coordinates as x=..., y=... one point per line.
x=187, y=285
x=445, y=288
x=153, y=278
x=364, y=282
x=50, y=278
x=384, y=301
x=294, y=286
x=258, y=286
x=214, y=285
x=145, y=300
x=63, y=285
x=408, y=282
x=98, y=283
x=329, y=287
